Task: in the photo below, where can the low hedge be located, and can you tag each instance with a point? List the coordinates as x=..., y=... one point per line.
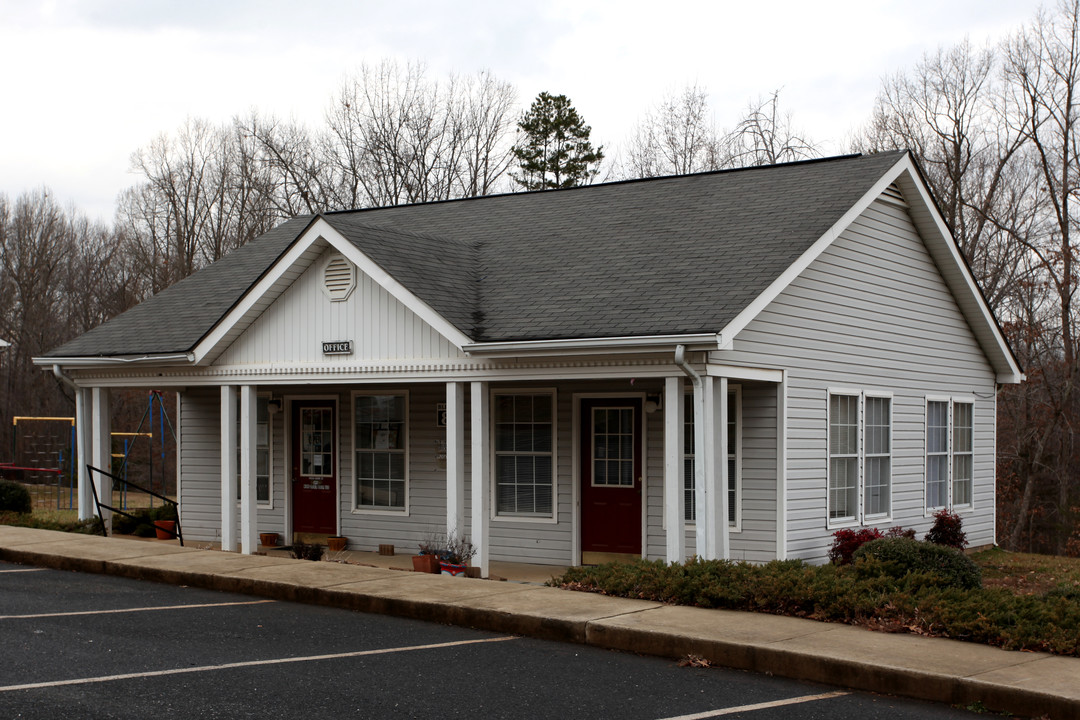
x=871, y=592
x=86, y=527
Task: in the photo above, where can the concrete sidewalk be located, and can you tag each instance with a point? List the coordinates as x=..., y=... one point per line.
x=945, y=671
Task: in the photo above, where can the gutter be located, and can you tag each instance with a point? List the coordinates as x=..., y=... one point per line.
x=99, y=361
x=705, y=341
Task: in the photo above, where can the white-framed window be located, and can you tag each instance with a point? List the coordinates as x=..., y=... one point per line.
x=263, y=484
x=734, y=444
x=950, y=453
x=859, y=456
x=524, y=450
x=380, y=429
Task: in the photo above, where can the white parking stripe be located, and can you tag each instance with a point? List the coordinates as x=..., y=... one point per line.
x=128, y=610
x=249, y=663
x=759, y=706
x=2, y=572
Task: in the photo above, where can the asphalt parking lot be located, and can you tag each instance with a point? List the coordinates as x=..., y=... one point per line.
x=91, y=646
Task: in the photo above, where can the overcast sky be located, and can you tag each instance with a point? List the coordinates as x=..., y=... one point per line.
x=86, y=83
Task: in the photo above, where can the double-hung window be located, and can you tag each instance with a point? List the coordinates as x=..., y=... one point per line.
x=860, y=457
x=524, y=454
x=262, y=451
x=732, y=456
x=380, y=424
x=950, y=446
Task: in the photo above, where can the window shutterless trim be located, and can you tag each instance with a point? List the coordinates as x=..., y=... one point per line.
x=494, y=514
x=357, y=508
x=887, y=515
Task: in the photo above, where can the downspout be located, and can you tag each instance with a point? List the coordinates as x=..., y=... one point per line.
x=700, y=501
x=64, y=378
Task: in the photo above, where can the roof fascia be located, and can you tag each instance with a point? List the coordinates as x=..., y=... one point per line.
x=578, y=346
x=318, y=230
x=1004, y=363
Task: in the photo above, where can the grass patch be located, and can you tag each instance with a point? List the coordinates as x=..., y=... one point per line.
x=64, y=521
x=870, y=592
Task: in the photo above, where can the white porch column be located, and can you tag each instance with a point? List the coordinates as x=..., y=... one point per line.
x=83, y=452
x=248, y=474
x=714, y=455
x=703, y=431
x=228, y=468
x=674, y=497
x=781, y=469
x=101, y=452
x=481, y=475
x=455, y=458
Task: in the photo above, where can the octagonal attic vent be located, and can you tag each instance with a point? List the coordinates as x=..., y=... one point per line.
x=339, y=278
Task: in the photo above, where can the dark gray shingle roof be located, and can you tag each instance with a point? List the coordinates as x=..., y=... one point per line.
x=648, y=257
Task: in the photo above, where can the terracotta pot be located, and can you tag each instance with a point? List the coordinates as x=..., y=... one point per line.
x=426, y=564
x=268, y=539
x=336, y=543
x=165, y=529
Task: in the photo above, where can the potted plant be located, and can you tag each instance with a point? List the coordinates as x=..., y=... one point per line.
x=427, y=561
x=336, y=543
x=268, y=539
x=456, y=555
x=164, y=519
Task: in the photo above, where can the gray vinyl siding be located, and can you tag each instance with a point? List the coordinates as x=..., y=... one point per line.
x=200, y=465
x=200, y=469
x=872, y=313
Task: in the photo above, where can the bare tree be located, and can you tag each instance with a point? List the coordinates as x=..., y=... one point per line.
x=765, y=136
x=1042, y=68
x=675, y=138
x=395, y=137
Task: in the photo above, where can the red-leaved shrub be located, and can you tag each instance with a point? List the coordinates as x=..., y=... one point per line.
x=947, y=530
x=846, y=542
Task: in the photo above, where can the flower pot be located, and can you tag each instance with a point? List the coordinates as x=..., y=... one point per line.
x=452, y=569
x=336, y=543
x=165, y=529
x=426, y=564
x=268, y=539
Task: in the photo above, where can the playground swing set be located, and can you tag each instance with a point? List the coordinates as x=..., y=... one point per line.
x=43, y=455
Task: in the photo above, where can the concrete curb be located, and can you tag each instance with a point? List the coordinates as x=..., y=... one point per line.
x=943, y=671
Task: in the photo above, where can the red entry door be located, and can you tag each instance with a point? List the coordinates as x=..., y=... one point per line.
x=314, y=466
x=611, y=475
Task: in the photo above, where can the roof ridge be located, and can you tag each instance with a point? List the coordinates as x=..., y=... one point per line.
x=625, y=181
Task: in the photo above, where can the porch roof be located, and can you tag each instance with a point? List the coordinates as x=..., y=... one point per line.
x=663, y=256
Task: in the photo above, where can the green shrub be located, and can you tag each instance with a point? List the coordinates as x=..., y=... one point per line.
x=14, y=497
x=900, y=557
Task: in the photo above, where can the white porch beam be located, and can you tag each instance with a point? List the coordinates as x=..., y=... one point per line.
x=228, y=468
x=83, y=452
x=248, y=474
x=674, y=497
x=481, y=475
x=455, y=458
x=101, y=452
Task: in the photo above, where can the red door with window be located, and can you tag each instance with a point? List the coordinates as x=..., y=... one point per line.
x=314, y=466
x=611, y=476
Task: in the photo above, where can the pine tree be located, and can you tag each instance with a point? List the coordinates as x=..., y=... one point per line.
x=555, y=151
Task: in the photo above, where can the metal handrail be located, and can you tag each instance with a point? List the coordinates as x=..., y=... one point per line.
x=178, y=533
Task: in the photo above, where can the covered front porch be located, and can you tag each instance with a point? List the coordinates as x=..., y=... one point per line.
x=578, y=464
